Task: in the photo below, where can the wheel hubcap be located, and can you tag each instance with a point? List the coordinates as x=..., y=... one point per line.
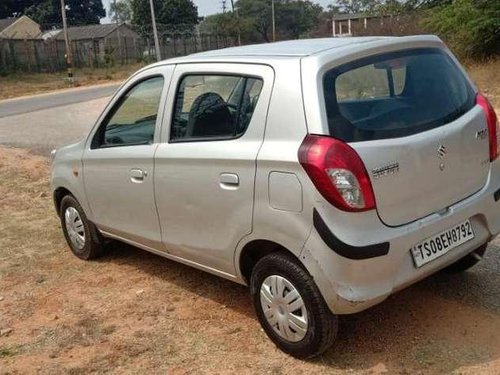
x=75, y=227
x=284, y=308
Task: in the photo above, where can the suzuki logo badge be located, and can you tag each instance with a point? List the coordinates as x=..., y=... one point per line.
x=441, y=151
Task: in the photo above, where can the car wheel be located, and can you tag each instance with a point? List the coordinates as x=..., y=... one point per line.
x=81, y=235
x=467, y=261
x=290, y=307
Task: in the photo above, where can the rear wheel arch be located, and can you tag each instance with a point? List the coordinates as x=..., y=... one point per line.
x=255, y=250
x=303, y=325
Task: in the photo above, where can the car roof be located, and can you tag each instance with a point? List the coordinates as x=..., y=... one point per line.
x=291, y=49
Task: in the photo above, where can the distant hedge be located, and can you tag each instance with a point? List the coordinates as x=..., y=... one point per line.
x=470, y=27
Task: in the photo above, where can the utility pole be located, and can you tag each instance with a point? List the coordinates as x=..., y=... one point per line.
x=155, y=31
x=118, y=32
x=69, y=53
x=274, y=22
x=237, y=22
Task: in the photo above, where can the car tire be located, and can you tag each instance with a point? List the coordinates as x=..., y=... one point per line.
x=283, y=273
x=82, y=236
x=467, y=261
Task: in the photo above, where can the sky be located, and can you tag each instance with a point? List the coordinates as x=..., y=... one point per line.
x=207, y=7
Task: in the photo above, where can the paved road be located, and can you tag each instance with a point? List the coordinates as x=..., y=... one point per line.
x=34, y=103
x=48, y=121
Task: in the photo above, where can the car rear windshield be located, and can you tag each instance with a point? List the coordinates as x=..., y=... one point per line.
x=395, y=95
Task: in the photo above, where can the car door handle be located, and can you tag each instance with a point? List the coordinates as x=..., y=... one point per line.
x=137, y=175
x=229, y=181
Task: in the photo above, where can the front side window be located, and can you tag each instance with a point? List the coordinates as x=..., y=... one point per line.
x=214, y=106
x=133, y=120
x=395, y=95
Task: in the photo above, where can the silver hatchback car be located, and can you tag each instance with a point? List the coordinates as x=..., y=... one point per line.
x=325, y=174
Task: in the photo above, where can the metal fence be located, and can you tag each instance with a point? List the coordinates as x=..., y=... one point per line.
x=38, y=55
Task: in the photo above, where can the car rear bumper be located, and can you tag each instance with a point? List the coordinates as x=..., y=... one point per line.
x=376, y=261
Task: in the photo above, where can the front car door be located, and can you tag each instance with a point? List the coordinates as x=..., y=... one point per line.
x=205, y=165
x=118, y=159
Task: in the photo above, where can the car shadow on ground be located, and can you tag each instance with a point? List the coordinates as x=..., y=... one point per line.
x=441, y=324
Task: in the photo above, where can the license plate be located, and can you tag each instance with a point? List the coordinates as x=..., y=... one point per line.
x=441, y=243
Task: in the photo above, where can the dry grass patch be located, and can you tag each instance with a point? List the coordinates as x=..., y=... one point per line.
x=19, y=84
x=487, y=78
x=24, y=184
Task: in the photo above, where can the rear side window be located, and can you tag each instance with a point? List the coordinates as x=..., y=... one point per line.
x=395, y=95
x=209, y=107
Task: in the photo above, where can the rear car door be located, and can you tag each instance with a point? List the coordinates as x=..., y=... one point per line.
x=412, y=118
x=118, y=160
x=205, y=166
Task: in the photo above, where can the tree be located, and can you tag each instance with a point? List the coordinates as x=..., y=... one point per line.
x=256, y=18
x=332, y=9
x=170, y=14
x=470, y=27
x=15, y=8
x=84, y=12
x=357, y=6
x=386, y=7
x=221, y=24
x=293, y=18
x=121, y=11
x=48, y=12
x=296, y=18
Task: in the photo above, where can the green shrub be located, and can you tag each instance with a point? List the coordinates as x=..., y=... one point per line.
x=470, y=27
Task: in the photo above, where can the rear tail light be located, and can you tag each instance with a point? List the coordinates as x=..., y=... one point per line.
x=493, y=126
x=337, y=172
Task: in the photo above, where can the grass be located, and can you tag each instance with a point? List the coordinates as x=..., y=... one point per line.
x=20, y=84
x=11, y=351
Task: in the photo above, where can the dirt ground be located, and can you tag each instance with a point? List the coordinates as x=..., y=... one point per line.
x=486, y=76
x=134, y=312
